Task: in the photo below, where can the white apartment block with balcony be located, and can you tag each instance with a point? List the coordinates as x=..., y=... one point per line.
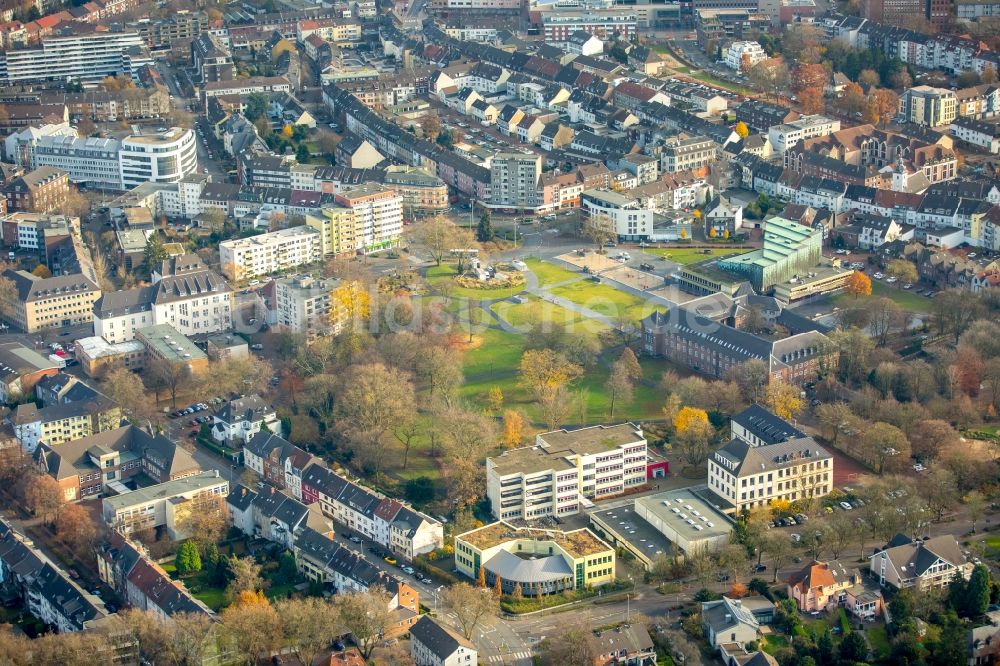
x=84, y=56
x=514, y=180
x=741, y=56
x=565, y=471
x=745, y=476
x=308, y=306
x=273, y=252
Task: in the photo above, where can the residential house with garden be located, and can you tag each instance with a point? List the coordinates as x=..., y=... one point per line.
x=929, y=564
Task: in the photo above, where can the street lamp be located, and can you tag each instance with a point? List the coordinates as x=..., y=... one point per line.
x=628, y=601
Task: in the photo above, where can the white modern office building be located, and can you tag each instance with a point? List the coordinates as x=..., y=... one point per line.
x=274, y=252
x=161, y=156
x=565, y=471
x=74, y=55
x=147, y=156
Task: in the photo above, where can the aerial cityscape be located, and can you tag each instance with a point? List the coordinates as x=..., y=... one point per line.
x=500, y=333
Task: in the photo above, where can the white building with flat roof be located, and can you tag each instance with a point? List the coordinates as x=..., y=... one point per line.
x=75, y=55
x=741, y=56
x=273, y=252
x=147, y=156
x=565, y=470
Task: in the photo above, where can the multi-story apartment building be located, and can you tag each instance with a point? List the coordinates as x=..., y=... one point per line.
x=79, y=52
x=679, y=154
x=742, y=55
x=514, y=180
x=273, y=252
x=42, y=190
x=928, y=106
x=747, y=477
x=185, y=294
x=421, y=191
x=559, y=24
x=786, y=135
x=336, y=31
x=257, y=84
x=81, y=412
x=924, y=565
x=46, y=590
x=378, y=215
x=335, y=226
x=211, y=58
x=155, y=506
x=182, y=26
x=623, y=213
x=564, y=470
x=312, y=306
x=41, y=303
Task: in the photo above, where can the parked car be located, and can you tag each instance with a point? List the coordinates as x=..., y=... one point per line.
x=355, y=538
x=846, y=506
x=795, y=537
x=390, y=560
x=408, y=570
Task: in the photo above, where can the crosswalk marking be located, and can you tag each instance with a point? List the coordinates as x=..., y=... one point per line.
x=513, y=657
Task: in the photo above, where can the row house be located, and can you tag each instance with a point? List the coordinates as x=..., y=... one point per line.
x=279, y=462
x=270, y=514
x=389, y=523
x=126, y=568
x=319, y=558
x=46, y=591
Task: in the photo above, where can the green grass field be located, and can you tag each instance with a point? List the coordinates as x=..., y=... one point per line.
x=605, y=300
x=906, y=299
x=692, y=255
x=646, y=403
x=524, y=315
x=441, y=278
x=773, y=643
x=495, y=351
x=548, y=273
x=878, y=639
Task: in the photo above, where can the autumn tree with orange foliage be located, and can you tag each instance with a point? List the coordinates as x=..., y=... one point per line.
x=694, y=433
x=811, y=100
x=852, y=99
x=738, y=591
x=858, y=284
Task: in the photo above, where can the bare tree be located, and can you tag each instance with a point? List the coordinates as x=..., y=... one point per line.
x=163, y=374
x=471, y=605
x=599, y=229
x=44, y=496
x=374, y=400
x=366, y=616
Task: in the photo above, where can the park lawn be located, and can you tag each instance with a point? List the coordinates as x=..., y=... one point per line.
x=441, y=278
x=692, y=255
x=605, y=300
x=646, y=403
x=525, y=315
x=495, y=351
x=904, y=298
x=548, y=273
